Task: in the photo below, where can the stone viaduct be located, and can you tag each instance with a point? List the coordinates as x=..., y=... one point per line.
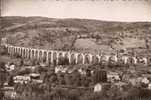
x=53, y=56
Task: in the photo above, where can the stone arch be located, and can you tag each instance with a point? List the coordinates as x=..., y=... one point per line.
x=88, y=59
x=22, y=52
x=8, y=50
x=95, y=59
x=32, y=54
x=55, y=58
x=19, y=51
x=80, y=59
x=66, y=58
x=142, y=60
x=40, y=55
x=131, y=60
x=98, y=58
x=13, y=50
x=124, y=59
x=28, y=53
x=25, y=53
x=44, y=56
x=49, y=57
x=113, y=59
x=72, y=59
x=105, y=59
x=61, y=58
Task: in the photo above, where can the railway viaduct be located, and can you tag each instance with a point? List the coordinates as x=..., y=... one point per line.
x=54, y=56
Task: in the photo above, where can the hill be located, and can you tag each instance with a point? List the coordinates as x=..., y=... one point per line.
x=76, y=34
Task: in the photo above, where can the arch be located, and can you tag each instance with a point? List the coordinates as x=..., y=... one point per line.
x=15, y=50
x=32, y=54
x=66, y=58
x=23, y=52
x=88, y=58
x=98, y=58
x=44, y=56
x=55, y=57
x=105, y=59
x=76, y=57
x=47, y=57
x=40, y=55
x=113, y=59
x=51, y=57
x=8, y=49
x=142, y=60
x=87, y=61
x=11, y=50
x=125, y=59
x=28, y=53
x=80, y=59
x=95, y=59
x=37, y=53
x=132, y=60
x=48, y=60
x=61, y=58
x=72, y=58
x=19, y=51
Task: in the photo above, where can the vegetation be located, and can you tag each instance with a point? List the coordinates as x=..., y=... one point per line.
x=62, y=34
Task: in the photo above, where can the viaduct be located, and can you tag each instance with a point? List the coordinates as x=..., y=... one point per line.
x=53, y=56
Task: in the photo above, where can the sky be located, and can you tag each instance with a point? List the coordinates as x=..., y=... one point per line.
x=110, y=10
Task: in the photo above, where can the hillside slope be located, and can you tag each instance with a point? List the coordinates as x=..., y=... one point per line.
x=50, y=33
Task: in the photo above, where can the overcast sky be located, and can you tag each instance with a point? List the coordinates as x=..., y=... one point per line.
x=117, y=10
